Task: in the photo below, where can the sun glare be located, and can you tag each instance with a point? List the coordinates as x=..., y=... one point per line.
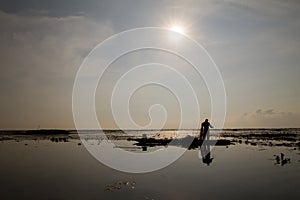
x=177, y=29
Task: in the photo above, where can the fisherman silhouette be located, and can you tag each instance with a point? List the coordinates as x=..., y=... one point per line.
x=205, y=129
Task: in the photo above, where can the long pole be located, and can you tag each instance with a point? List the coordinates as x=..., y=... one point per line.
x=198, y=129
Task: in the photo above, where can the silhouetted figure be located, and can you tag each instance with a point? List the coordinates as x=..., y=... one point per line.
x=205, y=129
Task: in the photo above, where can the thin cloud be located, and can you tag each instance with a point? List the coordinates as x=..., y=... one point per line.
x=269, y=118
x=39, y=60
x=267, y=112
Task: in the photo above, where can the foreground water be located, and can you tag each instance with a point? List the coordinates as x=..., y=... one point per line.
x=57, y=166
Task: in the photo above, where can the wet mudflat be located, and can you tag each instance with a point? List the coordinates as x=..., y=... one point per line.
x=58, y=167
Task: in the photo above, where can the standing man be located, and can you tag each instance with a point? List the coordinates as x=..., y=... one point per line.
x=205, y=129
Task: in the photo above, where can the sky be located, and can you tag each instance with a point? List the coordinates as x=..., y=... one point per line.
x=255, y=44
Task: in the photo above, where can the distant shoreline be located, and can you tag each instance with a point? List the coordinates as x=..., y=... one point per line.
x=288, y=137
x=247, y=131
x=72, y=131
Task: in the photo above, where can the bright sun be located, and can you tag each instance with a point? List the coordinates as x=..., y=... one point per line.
x=177, y=29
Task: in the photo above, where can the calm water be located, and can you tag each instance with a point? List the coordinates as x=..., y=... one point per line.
x=43, y=167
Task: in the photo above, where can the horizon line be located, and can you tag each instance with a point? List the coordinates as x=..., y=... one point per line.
x=164, y=129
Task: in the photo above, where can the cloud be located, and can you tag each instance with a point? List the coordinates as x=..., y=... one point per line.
x=266, y=112
x=47, y=43
x=258, y=111
x=39, y=60
x=270, y=118
x=52, y=8
x=270, y=112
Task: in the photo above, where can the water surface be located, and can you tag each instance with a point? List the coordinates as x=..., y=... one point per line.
x=50, y=167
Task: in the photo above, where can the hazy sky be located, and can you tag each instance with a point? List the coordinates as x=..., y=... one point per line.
x=255, y=44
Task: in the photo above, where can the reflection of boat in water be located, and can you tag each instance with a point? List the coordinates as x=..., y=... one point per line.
x=186, y=142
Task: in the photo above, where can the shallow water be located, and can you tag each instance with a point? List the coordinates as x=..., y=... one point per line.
x=42, y=168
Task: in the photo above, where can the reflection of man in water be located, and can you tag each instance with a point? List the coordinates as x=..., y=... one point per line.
x=205, y=154
x=205, y=129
